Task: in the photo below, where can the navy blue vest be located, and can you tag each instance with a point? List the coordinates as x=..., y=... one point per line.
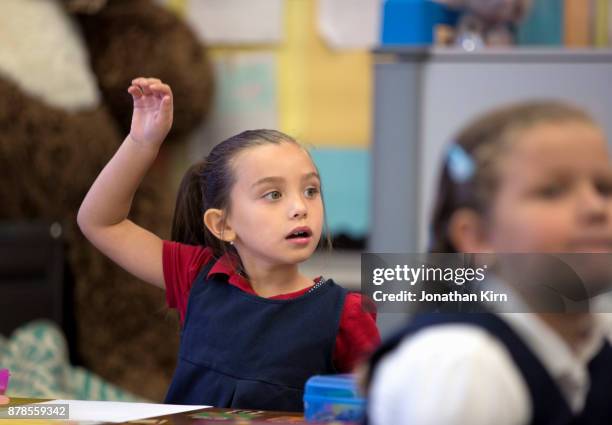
x=549, y=406
x=242, y=351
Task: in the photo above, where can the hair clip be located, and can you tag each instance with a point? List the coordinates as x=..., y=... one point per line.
x=461, y=166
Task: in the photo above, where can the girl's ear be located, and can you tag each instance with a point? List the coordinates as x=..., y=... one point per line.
x=467, y=232
x=214, y=220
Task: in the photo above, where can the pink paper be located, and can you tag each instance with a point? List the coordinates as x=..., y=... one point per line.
x=4, y=380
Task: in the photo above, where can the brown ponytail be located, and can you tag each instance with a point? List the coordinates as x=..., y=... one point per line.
x=187, y=223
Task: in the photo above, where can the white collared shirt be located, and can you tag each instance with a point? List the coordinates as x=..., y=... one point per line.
x=460, y=374
x=569, y=369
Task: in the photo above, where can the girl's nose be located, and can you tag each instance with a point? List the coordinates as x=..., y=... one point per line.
x=593, y=205
x=298, y=208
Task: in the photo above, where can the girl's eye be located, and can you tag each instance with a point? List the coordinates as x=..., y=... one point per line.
x=311, y=192
x=273, y=196
x=551, y=191
x=604, y=188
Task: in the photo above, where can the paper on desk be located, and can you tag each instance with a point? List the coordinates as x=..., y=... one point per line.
x=113, y=411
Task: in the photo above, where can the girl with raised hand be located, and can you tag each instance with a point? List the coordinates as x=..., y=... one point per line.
x=254, y=328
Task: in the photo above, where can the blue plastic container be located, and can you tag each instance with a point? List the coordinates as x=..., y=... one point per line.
x=333, y=398
x=412, y=22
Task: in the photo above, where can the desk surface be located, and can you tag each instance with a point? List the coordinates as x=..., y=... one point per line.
x=210, y=416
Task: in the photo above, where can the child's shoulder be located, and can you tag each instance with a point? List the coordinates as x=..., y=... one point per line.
x=188, y=258
x=356, y=305
x=193, y=252
x=458, y=350
x=475, y=368
x=465, y=340
x=358, y=324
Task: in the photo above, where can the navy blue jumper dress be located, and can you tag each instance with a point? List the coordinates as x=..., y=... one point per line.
x=243, y=351
x=549, y=406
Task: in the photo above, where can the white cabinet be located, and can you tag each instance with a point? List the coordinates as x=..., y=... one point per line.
x=424, y=96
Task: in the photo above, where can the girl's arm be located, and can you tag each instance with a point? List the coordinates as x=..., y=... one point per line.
x=103, y=213
x=358, y=334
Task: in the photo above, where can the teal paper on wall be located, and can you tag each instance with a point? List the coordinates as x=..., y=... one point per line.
x=543, y=25
x=345, y=175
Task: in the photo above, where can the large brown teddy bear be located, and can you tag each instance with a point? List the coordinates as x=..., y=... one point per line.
x=64, y=111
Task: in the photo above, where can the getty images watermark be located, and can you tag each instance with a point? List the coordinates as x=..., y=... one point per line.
x=482, y=282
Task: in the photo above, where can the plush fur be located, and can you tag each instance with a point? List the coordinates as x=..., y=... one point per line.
x=135, y=37
x=50, y=64
x=56, y=134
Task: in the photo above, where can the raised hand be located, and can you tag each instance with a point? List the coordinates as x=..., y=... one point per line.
x=152, y=116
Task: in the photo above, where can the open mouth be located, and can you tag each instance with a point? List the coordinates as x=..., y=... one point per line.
x=299, y=233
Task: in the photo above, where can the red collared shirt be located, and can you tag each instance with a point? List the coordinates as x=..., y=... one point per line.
x=357, y=333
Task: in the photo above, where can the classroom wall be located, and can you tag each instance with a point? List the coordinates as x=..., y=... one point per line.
x=288, y=77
